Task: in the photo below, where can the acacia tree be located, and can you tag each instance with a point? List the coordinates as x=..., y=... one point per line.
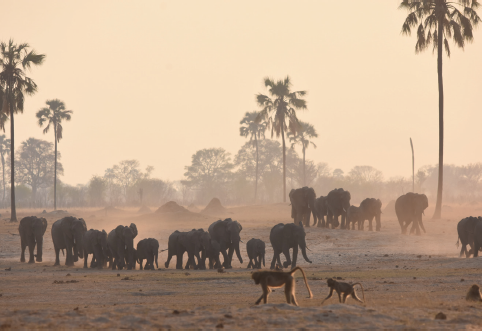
x=282, y=105
x=35, y=165
x=54, y=114
x=14, y=85
x=438, y=21
x=255, y=131
x=4, y=150
x=302, y=137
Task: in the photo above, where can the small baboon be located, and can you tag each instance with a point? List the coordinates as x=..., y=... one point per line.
x=473, y=294
x=276, y=279
x=345, y=288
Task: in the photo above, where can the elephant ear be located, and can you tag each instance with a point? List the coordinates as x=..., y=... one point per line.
x=134, y=229
x=44, y=225
x=119, y=231
x=291, y=193
x=83, y=223
x=238, y=225
x=288, y=231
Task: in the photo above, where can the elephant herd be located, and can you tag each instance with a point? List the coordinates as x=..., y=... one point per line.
x=71, y=234
x=326, y=210
x=117, y=247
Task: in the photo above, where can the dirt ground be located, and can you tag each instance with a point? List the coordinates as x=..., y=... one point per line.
x=407, y=279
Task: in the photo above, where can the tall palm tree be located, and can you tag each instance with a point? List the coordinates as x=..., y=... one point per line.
x=282, y=103
x=14, y=84
x=54, y=114
x=439, y=20
x=302, y=137
x=255, y=131
x=4, y=150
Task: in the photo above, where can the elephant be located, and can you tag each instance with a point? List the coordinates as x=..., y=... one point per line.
x=466, y=234
x=321, y=211
x=32, y=230
x=286, y=236
x=370, y=208
x=337, y=204
x=121, y=245
x=211, y=251
x=256, y=252
x=95, y=243
x=226, y=233
x=477, y=238
x=68, y=234
x=410, y=208
x=354, y=216
x=181, y=242
x=303, y=205
x=148, y=249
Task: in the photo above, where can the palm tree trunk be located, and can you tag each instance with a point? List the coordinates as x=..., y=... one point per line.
x=257, y=159
x=304, y=166
x=3, y=179
x=413, y=167
x=438, y=207
x=13, y=216
x=284, y=162
x=55, y=169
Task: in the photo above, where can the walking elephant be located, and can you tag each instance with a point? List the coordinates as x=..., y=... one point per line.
x=226, y=233
x=32, y=230
x=370, y=208
x=321, y=211
x=68, y=234
x=95, y=243
x=354, y=216
x=211, y=250
x=286, y=236
x=409, y=209
x=337, y=204
x=303, y=205
x=121, y=245
x=256, y=251
x=181, y=242
x=148, y=249
x=466, y=233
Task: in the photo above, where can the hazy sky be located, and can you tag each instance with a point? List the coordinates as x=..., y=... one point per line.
x=158, y=80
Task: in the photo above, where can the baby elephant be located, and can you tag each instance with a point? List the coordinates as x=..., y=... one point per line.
x=256, y=252
x=148, y=249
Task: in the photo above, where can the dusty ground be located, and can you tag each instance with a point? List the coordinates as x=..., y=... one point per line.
x=407, y=279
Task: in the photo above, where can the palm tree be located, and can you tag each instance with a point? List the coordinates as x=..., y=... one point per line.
x=283, y=103
x=53, y=115
x=254, y=130
x=4, y=150
x=14, y=84
x=440, y=20
x=302, y=138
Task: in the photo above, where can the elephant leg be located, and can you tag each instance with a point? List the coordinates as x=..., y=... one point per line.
x=343, y=222
x=23, y=245
x=179, y=260
x=379, y=223
x=295, y=256
x=321, y=222
x=476, y=247
x=307, y=218
x=286, y=253
x=169, y=257
x=275, y=257
x=299, y=216
x=250, y=264
x=86, y=256
x=230, y=257
x=370, y=226
x=31, y=248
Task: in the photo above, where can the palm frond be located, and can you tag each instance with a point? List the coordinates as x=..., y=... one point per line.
x=447, y=47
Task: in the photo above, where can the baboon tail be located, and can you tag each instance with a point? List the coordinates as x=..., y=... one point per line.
x=363, y=292
x=304, y=278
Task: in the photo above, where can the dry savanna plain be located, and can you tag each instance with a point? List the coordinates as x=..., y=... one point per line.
x=408, y=280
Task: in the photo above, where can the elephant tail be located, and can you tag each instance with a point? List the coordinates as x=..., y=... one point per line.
x=157, y=266
x=458, y=242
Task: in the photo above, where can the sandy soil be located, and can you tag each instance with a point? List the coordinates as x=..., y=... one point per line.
x=407, y=279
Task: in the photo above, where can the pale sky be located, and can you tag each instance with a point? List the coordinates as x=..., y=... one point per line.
x=158, y=80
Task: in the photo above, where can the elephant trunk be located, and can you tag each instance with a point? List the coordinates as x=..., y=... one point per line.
x=263, y=261
x=78, y=247
x=238, y=253
x=155, y=259
x=303, y=252
x=39, y=240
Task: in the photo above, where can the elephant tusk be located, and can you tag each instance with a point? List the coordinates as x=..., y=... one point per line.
x=308, y=248
x=241, y=241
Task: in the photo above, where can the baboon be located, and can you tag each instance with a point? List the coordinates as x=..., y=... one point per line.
x=345, y=288
x=276, y=279
x=473, y=294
